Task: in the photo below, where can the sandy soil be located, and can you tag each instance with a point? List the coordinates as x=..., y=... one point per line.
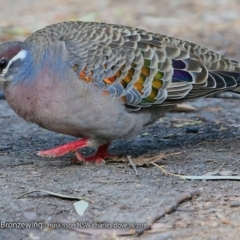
x=119, y=195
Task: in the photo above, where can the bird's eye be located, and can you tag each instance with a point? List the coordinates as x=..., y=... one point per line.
x=3, y=63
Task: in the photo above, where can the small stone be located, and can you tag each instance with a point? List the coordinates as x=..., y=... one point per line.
x=192, y=130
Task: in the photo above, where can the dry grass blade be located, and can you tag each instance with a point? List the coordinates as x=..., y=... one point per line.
x=203, y=177
x=167, y=173
x=56, y=195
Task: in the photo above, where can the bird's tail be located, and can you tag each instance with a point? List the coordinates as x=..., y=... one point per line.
x=234, y=91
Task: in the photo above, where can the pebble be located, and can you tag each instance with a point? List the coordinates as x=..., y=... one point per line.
x=192, y=130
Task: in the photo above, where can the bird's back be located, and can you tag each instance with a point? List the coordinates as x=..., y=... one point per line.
x=139, y=67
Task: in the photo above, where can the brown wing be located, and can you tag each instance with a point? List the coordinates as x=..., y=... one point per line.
x=140, y=67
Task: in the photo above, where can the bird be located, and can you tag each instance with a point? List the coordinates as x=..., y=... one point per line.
x=101, y=82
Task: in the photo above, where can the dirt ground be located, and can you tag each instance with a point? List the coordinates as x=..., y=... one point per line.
x=202, y=142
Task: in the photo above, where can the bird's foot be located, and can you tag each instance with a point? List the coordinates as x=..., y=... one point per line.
x=64, y=149
x=98, y=157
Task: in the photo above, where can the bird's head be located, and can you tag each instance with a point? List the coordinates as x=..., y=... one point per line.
x=12, y=55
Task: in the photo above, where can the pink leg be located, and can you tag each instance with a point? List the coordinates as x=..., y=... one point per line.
x=64, y=149
x=98, y=157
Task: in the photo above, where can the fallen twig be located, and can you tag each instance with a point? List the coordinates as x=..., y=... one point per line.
x=168, y=210
x=56, y=195
x=132, y=164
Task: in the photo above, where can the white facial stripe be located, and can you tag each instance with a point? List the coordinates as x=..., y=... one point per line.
x=21, y=55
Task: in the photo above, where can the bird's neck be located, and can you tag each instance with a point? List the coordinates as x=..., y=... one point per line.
x=39, y=84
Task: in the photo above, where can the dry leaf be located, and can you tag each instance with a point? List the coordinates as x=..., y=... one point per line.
x=184, y=108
